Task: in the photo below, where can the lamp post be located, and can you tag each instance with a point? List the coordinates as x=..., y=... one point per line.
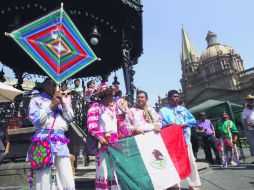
x=128, y=70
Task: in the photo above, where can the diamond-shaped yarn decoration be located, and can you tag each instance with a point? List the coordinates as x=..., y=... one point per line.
x=55, y=44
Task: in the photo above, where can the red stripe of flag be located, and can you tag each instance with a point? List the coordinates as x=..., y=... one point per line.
x=174, y=141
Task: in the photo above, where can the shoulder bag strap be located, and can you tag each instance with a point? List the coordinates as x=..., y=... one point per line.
x=51, y=128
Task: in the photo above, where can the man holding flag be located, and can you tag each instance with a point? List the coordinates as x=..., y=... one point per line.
x=150, y=159
x=175, y=114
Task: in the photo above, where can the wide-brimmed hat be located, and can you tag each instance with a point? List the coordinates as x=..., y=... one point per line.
x=103, y=89
x=249, y=97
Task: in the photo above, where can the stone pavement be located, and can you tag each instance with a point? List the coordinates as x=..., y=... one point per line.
x=87, y=174
x=231, y=178
x=202, y=165
x=208, y=174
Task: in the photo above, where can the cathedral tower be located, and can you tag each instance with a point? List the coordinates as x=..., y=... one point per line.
x=189, y=60
x=216, y=74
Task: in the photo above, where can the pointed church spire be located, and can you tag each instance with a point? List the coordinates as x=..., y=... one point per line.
x=189, y=53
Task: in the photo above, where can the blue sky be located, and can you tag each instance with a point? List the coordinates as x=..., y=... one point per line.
x=159, y=68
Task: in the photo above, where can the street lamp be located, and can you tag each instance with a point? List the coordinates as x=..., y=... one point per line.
x=95, y=36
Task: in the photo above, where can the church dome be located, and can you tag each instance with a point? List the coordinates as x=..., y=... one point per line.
x=214, y=48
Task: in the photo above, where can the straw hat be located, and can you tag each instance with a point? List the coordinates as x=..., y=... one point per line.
x=248, y=97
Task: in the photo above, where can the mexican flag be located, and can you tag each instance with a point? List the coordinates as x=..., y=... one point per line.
x=150, y=161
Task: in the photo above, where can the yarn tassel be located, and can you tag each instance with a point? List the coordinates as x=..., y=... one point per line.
x=30, y=179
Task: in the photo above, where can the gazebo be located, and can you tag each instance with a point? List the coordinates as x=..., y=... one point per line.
x=113, y=29
x=117, y=25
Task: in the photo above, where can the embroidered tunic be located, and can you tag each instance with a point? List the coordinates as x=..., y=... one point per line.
x=42, y=118
x=102, y=122
x=178, y=115
x=136, y=118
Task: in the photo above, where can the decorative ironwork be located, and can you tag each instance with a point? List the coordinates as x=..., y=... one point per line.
x=18, y=110
x=80, y=109
x=136, y=4
x=132, y=86
x=2, y=79
x=20, y=78
x=128, y=71
x=104, y=78
x=115, y=82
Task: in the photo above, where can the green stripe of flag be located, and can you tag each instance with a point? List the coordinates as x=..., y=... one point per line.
x=132, y=175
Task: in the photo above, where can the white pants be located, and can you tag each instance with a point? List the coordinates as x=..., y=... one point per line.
x=64, y=176
x=193, y=179
x=102, y=181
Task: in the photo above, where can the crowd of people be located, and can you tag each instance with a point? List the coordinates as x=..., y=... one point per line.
x=111, y=118
x=222, y=140
x=222, y=137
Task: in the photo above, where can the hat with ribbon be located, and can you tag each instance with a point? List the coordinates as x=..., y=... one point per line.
x=103, y=89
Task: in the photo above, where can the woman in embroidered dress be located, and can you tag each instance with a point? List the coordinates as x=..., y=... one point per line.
x=102, y=124
x=45, y=111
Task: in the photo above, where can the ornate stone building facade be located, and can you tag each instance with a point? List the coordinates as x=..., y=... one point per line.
x=217, y=74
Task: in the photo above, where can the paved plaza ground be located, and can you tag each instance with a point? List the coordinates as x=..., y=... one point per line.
x=212, y=177
x=232, y=178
